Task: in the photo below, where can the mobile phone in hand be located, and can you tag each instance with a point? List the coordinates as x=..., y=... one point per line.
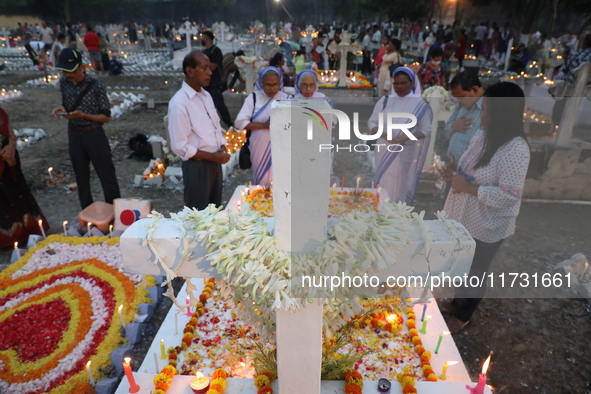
x=63, y=113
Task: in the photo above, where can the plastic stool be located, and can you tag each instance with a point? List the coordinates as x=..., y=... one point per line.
x=99, y=213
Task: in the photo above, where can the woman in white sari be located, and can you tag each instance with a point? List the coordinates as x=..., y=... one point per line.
x=306, y=86
x=255, y=116
x=399, y=161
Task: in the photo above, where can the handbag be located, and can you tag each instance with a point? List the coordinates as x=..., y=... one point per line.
x=244, y=161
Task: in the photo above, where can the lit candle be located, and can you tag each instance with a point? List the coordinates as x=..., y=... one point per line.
x=188, y=307
x=133, y=387
x=18, y=252
x=440, y=339
x=162, y=350
x=121, y=315
x=444, y=370
x=111, y=230
x=242, y=196
x=156, y=363
x=479, y=389
x=89, y=371
x=238, y=206
x=64, y=223
x=334, y=186
x=88, y=226
x=49, y=171
x=423, y=329
x=424, y=311
x=358, y=180
x=378, y=190
x=41, y=227
x=200, y=384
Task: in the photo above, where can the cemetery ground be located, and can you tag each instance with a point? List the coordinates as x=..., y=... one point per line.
x=540, y=345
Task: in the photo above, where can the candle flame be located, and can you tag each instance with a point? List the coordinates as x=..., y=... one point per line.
x=446, y=333
x=120, y=308
x=390, y=318
x=40, y=222
x=452, y=362
x=428, y=317
x=162, y=340
x=242, y=364
x=16, y=245
x=88, y=364
x=50, y=169
x=127, y=359
x=110, y=227
x=65, y=222
x=199, y=374
x=485, y=366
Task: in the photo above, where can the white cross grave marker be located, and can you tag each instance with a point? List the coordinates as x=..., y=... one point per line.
x=300, y=224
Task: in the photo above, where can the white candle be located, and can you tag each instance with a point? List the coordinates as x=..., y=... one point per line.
x=49, y=171
x=18, y=252
x=121, y=315
x=89, y=371
x=41, y=227
x=88, y=226
x=64, y=223
x=156, y=363
x=111, y=230
x=358, y=180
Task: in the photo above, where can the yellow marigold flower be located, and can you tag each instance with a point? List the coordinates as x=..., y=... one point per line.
x=407, y=381
x=426, y=354
x=261, y=381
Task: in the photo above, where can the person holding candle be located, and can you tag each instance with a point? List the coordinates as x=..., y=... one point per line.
x=487, y=189
x=255, y=116
x=20, y=214
x=399, y=161
x=86, y=106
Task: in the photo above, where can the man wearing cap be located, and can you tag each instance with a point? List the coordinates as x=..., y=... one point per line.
x=196, y=134
x=86, y=106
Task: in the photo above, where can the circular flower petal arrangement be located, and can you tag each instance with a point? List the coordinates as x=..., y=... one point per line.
x=57, y=312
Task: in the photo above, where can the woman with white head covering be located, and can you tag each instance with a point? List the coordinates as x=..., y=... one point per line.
x=399, y=161
x=306, y=86
x=255, y=117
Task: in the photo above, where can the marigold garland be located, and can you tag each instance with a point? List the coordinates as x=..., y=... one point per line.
x=353, y=382
x=263, y=382
x=218, y=382
x=47, y=286
x=188, y=335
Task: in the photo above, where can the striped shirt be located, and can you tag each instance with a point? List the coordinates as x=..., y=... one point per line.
x=459, y=141
x=490, y=216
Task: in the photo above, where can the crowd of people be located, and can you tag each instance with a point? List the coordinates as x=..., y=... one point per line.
x=488, y=150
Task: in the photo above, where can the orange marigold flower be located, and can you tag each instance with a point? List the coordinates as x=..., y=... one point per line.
x=432, y=378
x=409, y=390
x=203, y=298
x=219, y=374
x=173, y=356
x=268, y=374
x=420, y=349
x=265, y=390
x=162, y=385
x=216, y=387
x=353, y=389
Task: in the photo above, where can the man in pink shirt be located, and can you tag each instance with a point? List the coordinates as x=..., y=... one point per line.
x=92, y=43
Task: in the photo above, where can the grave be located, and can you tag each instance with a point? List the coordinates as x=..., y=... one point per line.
x=300, y=224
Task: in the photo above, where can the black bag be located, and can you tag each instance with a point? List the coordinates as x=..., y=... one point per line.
x=142, y=149
x=244, y=161
x=244, y=156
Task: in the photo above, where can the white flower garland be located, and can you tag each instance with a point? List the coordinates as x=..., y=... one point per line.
x=258, y=276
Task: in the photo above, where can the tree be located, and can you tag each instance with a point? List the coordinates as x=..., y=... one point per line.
x=525, y=11
x=397, y=10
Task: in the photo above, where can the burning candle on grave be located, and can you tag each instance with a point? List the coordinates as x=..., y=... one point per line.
x=64, y=224
x=41, y=227
x=111, y=230
x=440, y=339
x=121, y=315
x=423, y=329
x=200, y=384
x=357, y=185
x=162, y=350
x=479, y=389
x=89, y=371
x=133, y=387
x=443, y=375
x=16, y=249
x=88, y=226
x=49, y=172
